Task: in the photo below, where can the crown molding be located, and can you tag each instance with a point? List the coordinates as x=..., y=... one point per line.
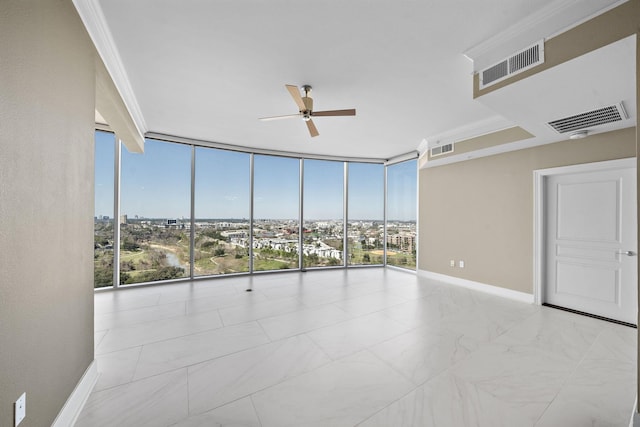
x=549, y=21
x=471, y=130
x=423, y=147
x=94, y=21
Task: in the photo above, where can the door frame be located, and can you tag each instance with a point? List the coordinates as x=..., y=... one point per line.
x=539, y=207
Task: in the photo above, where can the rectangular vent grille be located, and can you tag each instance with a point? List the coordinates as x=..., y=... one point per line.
x=516, y=63
x=496, y=72
x=613, y=113
x=443, y=149
x=524, y=59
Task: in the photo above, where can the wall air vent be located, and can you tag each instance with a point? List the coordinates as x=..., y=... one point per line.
x=442, y=149
x=589, y=119
x=516, y=63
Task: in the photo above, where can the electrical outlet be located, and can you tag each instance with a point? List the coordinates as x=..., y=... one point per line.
x=452, y=263
x=461, y=264
x=20, y=409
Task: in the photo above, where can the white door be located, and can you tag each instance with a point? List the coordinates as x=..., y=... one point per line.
x=591, y=243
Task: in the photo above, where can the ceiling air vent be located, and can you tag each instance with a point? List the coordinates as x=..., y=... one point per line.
x=494, y=73
x=601, y=116
x=516, y=63
x=442, y=149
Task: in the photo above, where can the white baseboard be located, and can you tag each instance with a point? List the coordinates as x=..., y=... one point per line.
x=482, y=287
x=74, y=404
x=635, y=418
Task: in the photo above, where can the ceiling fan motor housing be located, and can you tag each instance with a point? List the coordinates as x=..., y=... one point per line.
x=308, y=103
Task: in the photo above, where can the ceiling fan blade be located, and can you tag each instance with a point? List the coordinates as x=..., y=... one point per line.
x=288, y=116
x=351, y=112
x=295, y=94
x=312, y=128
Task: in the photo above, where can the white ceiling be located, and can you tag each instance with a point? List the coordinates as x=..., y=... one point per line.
x=209, y=69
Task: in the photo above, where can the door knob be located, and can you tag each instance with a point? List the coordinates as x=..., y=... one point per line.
x=628, y=253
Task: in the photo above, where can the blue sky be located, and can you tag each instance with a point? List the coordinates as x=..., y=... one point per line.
x=323, y=189
x=222, y=184
x=156, y=184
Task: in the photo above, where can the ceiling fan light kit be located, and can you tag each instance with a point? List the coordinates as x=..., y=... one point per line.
x=305, y=107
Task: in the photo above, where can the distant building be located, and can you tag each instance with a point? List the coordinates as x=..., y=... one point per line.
x=177, y=223
x=123, y=219
x=322, y=249
x=405, y=241
x=236, y=237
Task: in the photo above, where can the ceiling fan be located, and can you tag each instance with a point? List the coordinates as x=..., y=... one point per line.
x=305, y=105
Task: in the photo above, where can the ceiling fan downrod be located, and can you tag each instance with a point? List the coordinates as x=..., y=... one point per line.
x=308, y=103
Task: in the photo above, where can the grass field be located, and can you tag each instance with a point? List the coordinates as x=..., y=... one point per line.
x=225, y=264
x=401, y=259
x=157, y=259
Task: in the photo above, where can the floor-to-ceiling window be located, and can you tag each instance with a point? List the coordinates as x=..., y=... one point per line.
x=103, y=241
x=222, y=204
x=401, y=214
x=155, y=213
x=276, y=213
x=323, y=211
x=180, y=203
x=365, y=229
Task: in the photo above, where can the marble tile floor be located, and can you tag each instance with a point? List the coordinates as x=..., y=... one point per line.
x=359, y=347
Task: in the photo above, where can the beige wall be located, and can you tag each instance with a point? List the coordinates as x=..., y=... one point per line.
x=481, y=211
x=493, y=139
x=47, y=86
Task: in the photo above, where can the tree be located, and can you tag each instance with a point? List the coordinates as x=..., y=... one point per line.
x=164, y=273
x=218, y=252
x=130, y=245
x=127, y=266
x=124, y=278
x=102, y=277
x=100, y=241
x=334, y=261
x=311, y=259
x=156, y=259
x=240, y=252
x=214, y=234
x=205, y=246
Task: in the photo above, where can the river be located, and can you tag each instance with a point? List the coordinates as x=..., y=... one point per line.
x=172, y=260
